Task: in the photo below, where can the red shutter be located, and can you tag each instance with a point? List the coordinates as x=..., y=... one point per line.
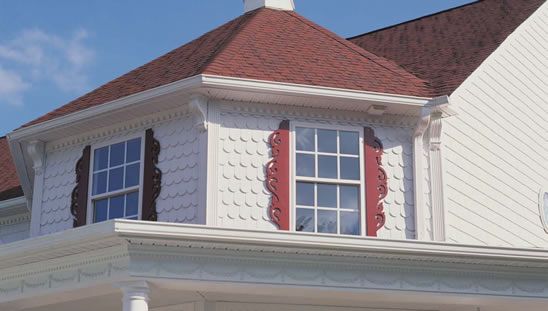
x=79, y=197
x=375, y=182
x=277, y=176
x=152, y=177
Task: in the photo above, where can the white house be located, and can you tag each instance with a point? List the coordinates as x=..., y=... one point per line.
x=273, y=165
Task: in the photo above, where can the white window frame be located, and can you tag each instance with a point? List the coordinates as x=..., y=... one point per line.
x=542, y=208
x=293, y=176
x=90, y=213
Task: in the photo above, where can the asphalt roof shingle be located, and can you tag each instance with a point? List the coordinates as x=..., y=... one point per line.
x=263, y=44
x=10, y=186
x=446, y=47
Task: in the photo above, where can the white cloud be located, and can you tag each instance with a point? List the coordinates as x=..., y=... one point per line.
x=11, y=87
x=36, y=56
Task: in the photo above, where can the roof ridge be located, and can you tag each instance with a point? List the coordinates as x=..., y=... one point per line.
x=416, y=19
x=244, y=20
x=355, y=48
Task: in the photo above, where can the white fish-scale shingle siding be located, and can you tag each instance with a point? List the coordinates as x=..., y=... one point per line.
x=178, y=160
x=496, y=148
x=244, y=152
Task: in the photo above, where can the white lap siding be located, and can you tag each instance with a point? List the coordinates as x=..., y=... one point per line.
x=496, y=148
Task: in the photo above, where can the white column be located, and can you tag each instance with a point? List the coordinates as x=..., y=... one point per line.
x=135, y=295
x=436, y=178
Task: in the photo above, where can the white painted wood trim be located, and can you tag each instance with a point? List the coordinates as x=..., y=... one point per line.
x=542, y=208
x=212, y=170
x=36, y=151
x=418, y=175
x=436, y=179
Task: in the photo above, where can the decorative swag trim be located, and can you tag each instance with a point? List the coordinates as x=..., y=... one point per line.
x=376, y=187
x=79, y=197
x=152, y=177
x=277, y=176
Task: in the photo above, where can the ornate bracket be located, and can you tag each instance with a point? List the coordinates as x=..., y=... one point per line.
x=198, y=105
x=375, y=182
x=152, y=184
x=277, y=176
x=36, y=152
x=79, y=196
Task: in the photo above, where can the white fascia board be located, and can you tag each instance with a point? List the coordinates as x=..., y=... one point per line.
x=211, y=81
x=269, y=87
x=172, y=231
x=118, y=232
x=105, y=108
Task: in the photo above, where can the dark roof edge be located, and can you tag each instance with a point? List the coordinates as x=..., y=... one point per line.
x=414, y=19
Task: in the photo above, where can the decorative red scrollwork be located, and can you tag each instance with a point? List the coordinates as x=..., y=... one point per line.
x=376, y=182
x=277, y=176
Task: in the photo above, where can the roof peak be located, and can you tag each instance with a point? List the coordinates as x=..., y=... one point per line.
x=285, y=5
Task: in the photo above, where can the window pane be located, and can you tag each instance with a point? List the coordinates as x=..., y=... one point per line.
x=327, y=141
x=350, y=168
x=327, y=167
x=350, y=142
x=116, y=207
x=305, y=139
x=132, y=175
x=116, y=179
x=100, y=159
x=349, y=196
x=101, y=210
x=350, y=223
x=327, y=195
x=99, y=183
x=305, y=165
x=132, y=204
x=117, y=152
x=327, y=221
x=305, y=220
x=305, y=194
x=133, y=150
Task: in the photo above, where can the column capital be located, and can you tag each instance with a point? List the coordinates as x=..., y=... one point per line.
x=135, y=295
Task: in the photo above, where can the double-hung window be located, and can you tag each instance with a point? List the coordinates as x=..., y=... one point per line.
x=328, y=180
x=116, y=179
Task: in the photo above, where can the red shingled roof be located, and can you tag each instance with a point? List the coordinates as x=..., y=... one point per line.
x=446, y=47
x=264, y=44
x=9, y=182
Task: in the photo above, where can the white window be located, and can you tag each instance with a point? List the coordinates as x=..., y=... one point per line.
x=328, y=192
x=543, y=208
x=116, y=179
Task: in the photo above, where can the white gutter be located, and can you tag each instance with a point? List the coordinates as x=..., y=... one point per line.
x=78, y=240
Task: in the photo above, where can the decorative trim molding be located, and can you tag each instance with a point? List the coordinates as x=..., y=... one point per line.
x=79, y=196
x=36, y=151
x=277, y=177
x=131, y=126
x=198, y=106
x=375, y=182
x=348, y=117
x=436, y=178
x=14, y=219
x=152, y=177
x=211, y=189
x=418, y=175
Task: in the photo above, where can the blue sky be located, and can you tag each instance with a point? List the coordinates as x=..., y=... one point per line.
x=54, y=51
